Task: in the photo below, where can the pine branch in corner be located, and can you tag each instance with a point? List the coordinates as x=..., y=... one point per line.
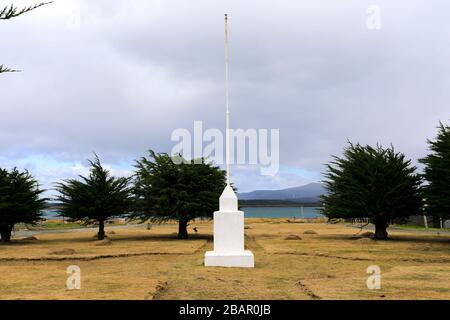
x=6, y=69
x=11, y=11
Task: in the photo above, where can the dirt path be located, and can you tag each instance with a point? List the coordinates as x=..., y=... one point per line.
x=189, y=279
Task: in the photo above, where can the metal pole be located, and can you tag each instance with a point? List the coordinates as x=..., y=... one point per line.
x=228, y=145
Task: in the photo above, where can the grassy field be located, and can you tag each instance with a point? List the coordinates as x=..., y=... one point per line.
x=59, y=224
x=421, y=228
x=328, y=262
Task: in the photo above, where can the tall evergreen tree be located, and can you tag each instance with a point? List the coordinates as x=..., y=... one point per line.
x=20, y=201
x=96, y=198
x=374, y=183
x=176, y=190
x=437, y=174
x=10, y=12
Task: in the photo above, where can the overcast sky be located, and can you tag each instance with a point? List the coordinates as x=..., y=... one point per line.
x=118, y=76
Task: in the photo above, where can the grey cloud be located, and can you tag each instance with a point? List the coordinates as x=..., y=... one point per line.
x=136, y=70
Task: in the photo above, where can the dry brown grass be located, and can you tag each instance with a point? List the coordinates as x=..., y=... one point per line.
x=153, y=264
x=160, y=240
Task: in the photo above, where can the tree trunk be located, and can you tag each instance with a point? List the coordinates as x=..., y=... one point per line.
x=182, y=229
x=380, y=230
x=101, y=230
x=5, y=233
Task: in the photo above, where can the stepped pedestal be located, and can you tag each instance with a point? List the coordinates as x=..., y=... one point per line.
x=229, y=235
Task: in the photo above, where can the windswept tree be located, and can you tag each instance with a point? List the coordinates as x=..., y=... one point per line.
x=176, y=190
x=437, y=174
x=20, y=201
x=12, y=11
x=95, y=198
x=374, y=183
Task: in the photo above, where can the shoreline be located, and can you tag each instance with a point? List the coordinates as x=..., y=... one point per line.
x=25, y=232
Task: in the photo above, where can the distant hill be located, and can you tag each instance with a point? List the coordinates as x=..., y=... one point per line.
x=307, y=193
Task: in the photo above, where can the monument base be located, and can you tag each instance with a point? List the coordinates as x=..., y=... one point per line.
x=229, y=249
x=242, y=259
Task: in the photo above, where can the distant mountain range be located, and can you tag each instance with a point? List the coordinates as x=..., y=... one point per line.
x=307, y=193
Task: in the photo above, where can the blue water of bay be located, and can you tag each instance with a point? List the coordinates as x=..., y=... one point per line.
x=282, y=212
x=250, y=212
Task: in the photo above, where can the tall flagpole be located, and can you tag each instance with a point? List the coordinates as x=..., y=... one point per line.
x=229, y=244
x=227, y=137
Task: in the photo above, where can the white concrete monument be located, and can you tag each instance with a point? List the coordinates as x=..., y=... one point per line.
x=228, y=221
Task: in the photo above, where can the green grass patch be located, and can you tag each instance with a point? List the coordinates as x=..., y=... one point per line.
x=61, y=225
x=420, y=228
